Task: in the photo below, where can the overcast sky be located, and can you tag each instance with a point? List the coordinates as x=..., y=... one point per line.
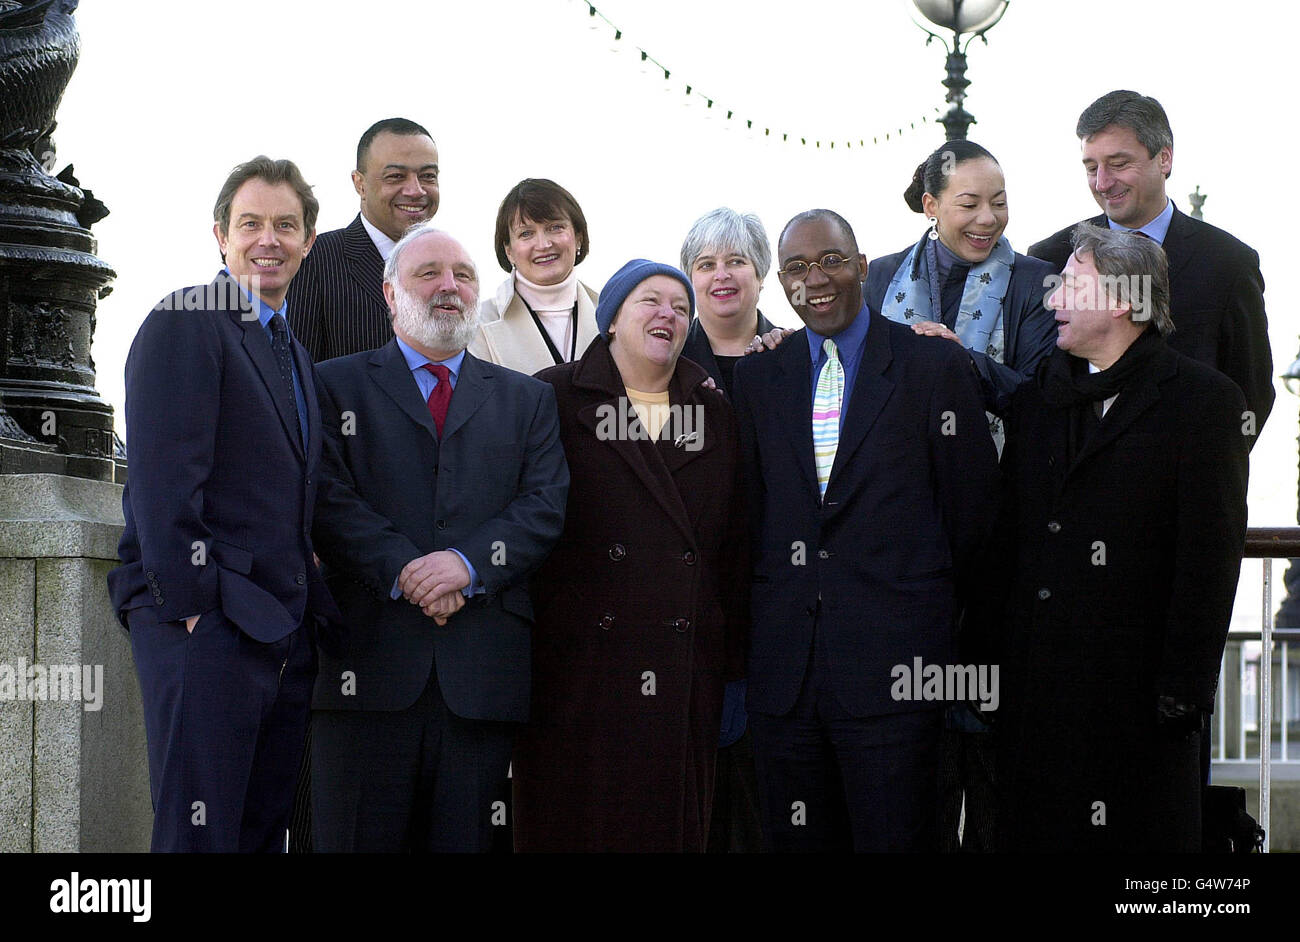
x=169, y=96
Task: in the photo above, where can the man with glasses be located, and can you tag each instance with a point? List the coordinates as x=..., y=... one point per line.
x=872, y=479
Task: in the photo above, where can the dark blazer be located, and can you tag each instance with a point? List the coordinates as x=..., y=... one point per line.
x=1123, y=568
x=650, y=576
x=1028, y=328
x=698, y=350
x=336, y=301
x=1216, y=299
x=494, y=488
x=217, y=459
x=906, y=508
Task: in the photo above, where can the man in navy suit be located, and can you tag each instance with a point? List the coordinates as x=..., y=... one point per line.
x=873, y=480
x=217, y=585
x=336, y=305
x=444, y=485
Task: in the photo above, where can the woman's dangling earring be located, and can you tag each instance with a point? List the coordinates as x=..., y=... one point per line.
x=934, y=227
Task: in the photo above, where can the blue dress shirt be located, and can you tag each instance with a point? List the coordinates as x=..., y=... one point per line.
x=848, y=344
x=1157, y=228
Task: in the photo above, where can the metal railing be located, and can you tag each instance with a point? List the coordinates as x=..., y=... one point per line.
x=1239, y=673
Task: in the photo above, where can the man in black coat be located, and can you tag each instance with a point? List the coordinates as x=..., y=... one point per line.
x=863, y=531
x=336, y=304
x=444, y=485
x=1121, y=538
x=1216, y=289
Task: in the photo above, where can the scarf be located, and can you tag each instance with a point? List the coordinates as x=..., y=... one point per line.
x=1067, y=382
x=914, y=293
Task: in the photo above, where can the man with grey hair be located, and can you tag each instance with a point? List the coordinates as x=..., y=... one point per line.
x=1120, y=543
x=1217, y=291
x=443, y=487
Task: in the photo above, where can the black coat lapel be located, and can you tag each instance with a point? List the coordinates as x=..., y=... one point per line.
x=1178, y=243
x=598, y=374
x=473, y=387
x=870, y=393
x=794, y=402
x=258, y=345
x=302, y=361
x=365, y=266
x=1139, y=396
x=388, y=368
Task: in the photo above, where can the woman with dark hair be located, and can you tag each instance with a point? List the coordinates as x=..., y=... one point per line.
x=542, y=315
x=962, y=281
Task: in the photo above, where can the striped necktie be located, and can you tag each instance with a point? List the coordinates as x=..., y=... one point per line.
x=826, y=414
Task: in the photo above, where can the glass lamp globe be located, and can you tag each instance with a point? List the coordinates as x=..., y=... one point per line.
x=962, y=16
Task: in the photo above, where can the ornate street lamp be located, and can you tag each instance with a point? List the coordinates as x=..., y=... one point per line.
x=969, y=18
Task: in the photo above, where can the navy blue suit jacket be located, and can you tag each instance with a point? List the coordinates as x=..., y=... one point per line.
x=494, y=488
x=907, y=507
x=219, y=501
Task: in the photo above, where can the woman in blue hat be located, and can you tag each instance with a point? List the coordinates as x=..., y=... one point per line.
x=640, y=609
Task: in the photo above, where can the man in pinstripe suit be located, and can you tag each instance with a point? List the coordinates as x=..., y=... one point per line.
x=336, y=304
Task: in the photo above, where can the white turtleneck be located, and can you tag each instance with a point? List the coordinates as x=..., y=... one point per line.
x=553, y=305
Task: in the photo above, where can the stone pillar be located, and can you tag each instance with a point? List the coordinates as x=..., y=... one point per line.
x=74, y=774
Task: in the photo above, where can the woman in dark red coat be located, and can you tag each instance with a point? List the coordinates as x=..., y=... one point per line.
x=640, y=608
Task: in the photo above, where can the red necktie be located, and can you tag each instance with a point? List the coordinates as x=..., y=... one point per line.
x=440, y=397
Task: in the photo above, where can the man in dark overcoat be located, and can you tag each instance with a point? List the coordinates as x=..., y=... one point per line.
x=1124, y=522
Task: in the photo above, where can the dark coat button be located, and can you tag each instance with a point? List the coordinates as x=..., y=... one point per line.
x=823, y=554
x=301, y=578
x=688, y=557
x=607, y=621
x=810, y=610
x=617, y=552
x=150, y=574
x=1044, y=594
x=1053, y=527
x=682, y=624
x=441, y=524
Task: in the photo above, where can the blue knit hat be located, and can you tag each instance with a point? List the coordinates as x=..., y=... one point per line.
x=622, y=282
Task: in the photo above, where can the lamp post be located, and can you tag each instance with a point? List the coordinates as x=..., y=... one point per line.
x=969, y=18
x=1288, y=614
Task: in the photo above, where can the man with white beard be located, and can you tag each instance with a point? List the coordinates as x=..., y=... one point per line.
x=443, y=487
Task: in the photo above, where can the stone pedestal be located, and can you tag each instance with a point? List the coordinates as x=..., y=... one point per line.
x=74, y=773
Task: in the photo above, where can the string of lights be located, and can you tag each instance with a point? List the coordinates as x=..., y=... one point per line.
x=713, y=109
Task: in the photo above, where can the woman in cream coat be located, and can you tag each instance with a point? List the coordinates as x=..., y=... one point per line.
x=542, y=315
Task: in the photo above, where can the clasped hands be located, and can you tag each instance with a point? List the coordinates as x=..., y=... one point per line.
x=433, y=582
